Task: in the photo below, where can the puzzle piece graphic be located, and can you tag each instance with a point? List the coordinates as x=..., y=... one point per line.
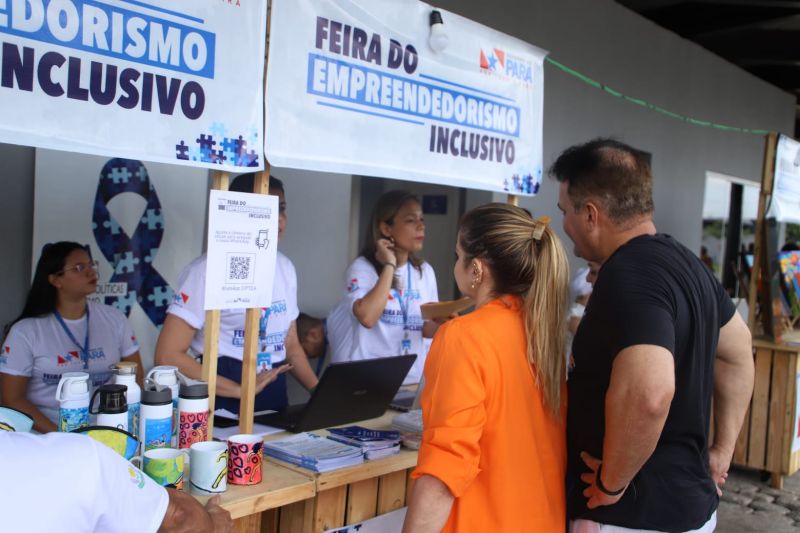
x=250, y=159
x=182, y=151
x=124, y=304
x=119, y=175
x=161, y=297
x=141, y=174
x=206, y=142
x=149, y=258
x=125, y=263
x=218, y=129
x=154, y=219
x=113, y=225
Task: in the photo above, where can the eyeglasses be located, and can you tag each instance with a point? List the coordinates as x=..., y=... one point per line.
x=80, y=268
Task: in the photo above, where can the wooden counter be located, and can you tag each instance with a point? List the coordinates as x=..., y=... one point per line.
x=771, y=424
x=280, y=486
x=293, y=499
x=353, y=494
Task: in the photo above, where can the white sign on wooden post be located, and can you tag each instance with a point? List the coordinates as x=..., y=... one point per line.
x=242, y=248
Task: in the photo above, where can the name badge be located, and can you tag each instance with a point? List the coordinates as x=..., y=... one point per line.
x=405, y=345
x=264, y=362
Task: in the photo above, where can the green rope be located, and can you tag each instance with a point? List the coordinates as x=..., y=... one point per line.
x=638, y=101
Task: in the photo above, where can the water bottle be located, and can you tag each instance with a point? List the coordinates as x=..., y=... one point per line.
x=125, y=374
x=112, y=410
x=192, y=414
x=155, y=419
x=167, y=376
x=72, y=394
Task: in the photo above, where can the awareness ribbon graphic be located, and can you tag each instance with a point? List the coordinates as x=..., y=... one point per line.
x=132, y=256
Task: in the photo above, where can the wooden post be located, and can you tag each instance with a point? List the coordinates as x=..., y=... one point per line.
x=759, y=248
x=250, y=352
x=513, y=199
x=220, y=182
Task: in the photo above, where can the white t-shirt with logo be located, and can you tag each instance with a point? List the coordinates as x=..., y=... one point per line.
x=38, y=348
x=350, y=341
x=72, y=483
x=273, y=325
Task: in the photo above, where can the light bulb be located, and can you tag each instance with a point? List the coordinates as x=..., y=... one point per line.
x=438, y=39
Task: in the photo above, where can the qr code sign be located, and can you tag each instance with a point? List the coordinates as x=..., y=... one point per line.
x=241, y=268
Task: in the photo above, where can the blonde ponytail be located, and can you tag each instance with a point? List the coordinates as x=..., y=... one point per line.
x=545, y=318
x=526, y=259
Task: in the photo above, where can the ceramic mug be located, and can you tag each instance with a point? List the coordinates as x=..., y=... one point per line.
x=13, y=420
x=165, y=466
x=245, y=457
x=118, y=440
x=209, y=472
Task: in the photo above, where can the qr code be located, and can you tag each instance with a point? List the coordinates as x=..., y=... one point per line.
x=240, y=268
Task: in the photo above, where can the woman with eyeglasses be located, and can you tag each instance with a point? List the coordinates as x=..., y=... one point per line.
x=59, y=331
x=379, y=314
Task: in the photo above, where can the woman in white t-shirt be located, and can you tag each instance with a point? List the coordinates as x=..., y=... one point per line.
x=60, y=331
x=380, y=314
x=279, y=348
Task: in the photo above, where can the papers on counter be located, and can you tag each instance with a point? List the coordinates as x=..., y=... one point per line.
x=225, y=433
x=375, y=444
x=410, y=421
x=314, y=452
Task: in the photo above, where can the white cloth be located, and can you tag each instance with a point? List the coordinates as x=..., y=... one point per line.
x=588, y=526
x=350, y=341
x=576, y=311
x=273, y=325
x=72, y=483
x=38, y=348
x=579, y=286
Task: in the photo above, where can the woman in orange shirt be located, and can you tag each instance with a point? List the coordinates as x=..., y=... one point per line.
x=493, y=455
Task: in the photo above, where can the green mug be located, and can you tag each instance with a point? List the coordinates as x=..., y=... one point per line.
x=165, y=466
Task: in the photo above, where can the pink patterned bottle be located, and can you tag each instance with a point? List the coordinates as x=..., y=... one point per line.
x=192, y=414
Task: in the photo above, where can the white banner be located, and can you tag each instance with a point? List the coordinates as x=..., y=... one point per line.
x=242, y=250
x=144, y=223
x=155, y=80
x=785, y=206
x=355, y=87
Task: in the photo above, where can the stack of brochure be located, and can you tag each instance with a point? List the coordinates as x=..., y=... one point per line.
x=410, y=421
x=314, y=452
x=375, y=444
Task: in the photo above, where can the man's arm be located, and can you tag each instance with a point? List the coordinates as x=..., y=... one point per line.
x=185, y=514
x=733, y=387
x=637, y=404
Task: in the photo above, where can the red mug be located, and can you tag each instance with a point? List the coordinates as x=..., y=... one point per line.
x=245, y=459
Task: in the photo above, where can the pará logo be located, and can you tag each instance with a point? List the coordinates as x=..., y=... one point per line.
x=495, y=61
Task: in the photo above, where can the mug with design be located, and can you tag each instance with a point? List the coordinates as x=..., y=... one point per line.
x=209, y=472
x=13, y=420
x=118, y=440
x=165, y=466
x=245, y=456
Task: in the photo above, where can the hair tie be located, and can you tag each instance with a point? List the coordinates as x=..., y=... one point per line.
x=539, y=226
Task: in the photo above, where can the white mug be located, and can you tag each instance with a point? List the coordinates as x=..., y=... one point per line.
x=209, y=472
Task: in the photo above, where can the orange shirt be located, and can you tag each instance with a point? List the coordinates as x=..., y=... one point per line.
x=488, y=435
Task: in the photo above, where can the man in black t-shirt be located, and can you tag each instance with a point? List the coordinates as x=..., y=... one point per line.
x=659, y=339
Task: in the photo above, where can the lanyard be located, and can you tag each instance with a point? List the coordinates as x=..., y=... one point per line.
x=404, y=299
x=84, y=351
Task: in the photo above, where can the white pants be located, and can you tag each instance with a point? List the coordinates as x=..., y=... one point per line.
x=588, y=526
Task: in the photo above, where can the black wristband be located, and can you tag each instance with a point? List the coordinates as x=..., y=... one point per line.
x=598, y=482
x=391, y=265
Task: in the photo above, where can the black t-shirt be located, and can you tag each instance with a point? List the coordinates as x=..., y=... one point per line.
x=652, y=290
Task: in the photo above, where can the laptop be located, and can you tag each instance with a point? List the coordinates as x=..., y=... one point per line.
x=407, y=400
x=347, y=392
